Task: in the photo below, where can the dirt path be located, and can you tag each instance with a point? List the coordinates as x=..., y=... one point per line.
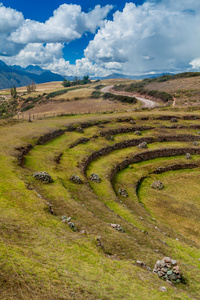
x=146, y=102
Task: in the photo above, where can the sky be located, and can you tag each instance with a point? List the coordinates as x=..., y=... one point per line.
x=101, y=37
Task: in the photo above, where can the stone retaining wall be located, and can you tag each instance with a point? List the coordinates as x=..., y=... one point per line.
x=147, y=155
x=160, y=170
x=134, y=142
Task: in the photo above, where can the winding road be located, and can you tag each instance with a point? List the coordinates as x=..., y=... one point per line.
x=146, y=102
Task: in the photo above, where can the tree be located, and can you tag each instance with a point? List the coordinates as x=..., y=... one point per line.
x=85, y=79
x=66, y=83
x=13, y=92
x=31, y=88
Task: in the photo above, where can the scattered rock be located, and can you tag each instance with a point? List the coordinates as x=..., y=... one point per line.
x=69, y=223
x=76, y=179
x=158, y=185
x=137, y=132
x=173, y=120
x=95, y=177
x=168, y=270
x=101, y=126
x=123, y=192
x=132, y=122
x=163, y=289
x=195, y=143
x=143, y=145
x=99, y=242
x=188, y=156
x=43, y=176
x=117, y=227
x=109, y=137
x=50, y=208
x=79, y=129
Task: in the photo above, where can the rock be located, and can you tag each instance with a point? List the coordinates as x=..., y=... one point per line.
x=95, y=177
x=101, y=126
x=137, y=132
x=43, y=176
x=143, y=145
x=158, y=185
x=123, y=192
x=188, y=156
x=168, y=270
x=76, y=179
x=173, y=120
x=132, y=122
x=79, y=129
x=117, y=227
x=195, y=143
x=109, y=137
x=163, y=289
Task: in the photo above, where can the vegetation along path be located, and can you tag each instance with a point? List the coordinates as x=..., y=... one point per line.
x=146, y=102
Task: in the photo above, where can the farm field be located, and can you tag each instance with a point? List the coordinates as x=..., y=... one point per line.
x=59, y=239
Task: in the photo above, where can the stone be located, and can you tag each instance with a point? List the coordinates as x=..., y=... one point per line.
x=95, y=177
x=79, y=129
x=163, y=289
x=117, y=227
x=195, y=143
x=132, y=122
x=143, y=145
x=43, y=176
x=123, y=192
x=173, y=120
x=158, y=185
x=109, y=137
x=137, y=132
x=188, y=156
x=168, y=270
x=76, y=179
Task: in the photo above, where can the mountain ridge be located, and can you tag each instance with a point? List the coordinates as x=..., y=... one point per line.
x=18, y=76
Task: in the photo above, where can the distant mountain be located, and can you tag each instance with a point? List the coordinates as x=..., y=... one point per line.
x=116, y=75
x=18, y=76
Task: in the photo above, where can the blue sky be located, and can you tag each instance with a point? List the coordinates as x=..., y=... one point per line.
x=100, y=37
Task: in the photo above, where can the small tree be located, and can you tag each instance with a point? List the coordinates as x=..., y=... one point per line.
x=33, y=87
x=13, y=92
x=66, y=83
x=28, y=88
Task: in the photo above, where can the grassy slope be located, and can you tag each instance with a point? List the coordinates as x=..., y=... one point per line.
x=40, y=256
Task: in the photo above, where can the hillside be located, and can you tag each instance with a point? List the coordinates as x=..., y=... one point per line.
x=83, y=236
x=17, y=76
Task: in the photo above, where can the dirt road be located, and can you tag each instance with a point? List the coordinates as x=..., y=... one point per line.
x=146, y=102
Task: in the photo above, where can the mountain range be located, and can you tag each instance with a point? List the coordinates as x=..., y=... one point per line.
x=18, y=76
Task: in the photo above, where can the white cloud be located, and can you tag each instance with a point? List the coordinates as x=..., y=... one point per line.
x=158, y=36
x=152, y=37
x=10, y=20
x=195, y=63
x=67, y=23
x=37, y=54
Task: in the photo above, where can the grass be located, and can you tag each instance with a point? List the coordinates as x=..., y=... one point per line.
x=41, y=257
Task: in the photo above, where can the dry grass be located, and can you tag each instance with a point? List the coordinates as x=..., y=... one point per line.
x=185, y=90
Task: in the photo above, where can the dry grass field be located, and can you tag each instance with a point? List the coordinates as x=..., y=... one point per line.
x=186, y=91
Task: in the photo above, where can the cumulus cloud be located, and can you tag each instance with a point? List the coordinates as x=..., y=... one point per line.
x=156, y=36
x=10, y=20
x=37, y=54
x=67, y=23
